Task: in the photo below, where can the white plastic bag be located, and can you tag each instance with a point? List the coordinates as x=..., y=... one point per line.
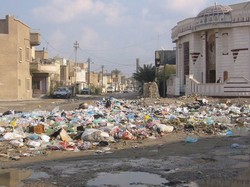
x=17, y=143
x=94, y=135
x=165, y=128
x=34, y=144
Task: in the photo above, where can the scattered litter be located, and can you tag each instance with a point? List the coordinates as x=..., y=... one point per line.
x=191, y=140
x=111, y=120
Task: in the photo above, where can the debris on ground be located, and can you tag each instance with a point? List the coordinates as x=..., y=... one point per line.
x=112, y=120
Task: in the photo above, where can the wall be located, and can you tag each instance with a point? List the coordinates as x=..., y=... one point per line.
x=15, y=56
x=151, y=90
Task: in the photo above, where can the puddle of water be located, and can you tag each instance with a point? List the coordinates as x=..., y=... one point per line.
x=241, y=131
x=38, y=175
x=68, y=171
x=125, y=179
x=13, y=177
x=242, y=180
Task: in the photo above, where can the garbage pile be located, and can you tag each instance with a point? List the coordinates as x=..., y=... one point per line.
x=111, y=120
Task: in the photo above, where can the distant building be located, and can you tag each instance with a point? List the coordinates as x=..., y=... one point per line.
x=215, y=43
x=16, y=53
x=46, y=74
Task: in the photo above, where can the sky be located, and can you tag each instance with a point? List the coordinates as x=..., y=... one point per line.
x=112, y=33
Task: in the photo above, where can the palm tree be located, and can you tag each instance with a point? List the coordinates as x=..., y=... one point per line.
x=145, y=74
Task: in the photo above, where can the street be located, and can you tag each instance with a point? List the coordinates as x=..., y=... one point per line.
x=214, y=160
x=48, y=103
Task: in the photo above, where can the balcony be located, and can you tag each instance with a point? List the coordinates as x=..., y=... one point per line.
x=36, y=67
x=35, y=39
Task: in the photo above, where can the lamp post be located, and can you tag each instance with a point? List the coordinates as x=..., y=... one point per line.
x=88, y=72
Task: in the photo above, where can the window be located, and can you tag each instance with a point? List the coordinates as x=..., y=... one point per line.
x=20, y=55
x=186, y=59
x=36, y=84
x=27, y=53
x=224, y=43
x=225, y=75
x=27, y=84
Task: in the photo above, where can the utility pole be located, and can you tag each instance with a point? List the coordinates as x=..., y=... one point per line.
x=88, y=71
x=136, y=85
x=102, y=75
x=137, y=64
x=76, y=46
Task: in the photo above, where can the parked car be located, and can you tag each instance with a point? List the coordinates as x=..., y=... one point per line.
x=126, y=91
x=86, y=91
x=62, y=92
x=110, y=89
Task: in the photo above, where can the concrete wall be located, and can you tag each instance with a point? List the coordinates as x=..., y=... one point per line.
x=233, y=87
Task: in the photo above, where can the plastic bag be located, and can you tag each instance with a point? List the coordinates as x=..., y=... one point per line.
x=94, y=135
x=165, y=128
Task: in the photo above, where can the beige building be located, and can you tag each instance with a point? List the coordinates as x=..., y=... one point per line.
x=46, y=74
x=16, y=46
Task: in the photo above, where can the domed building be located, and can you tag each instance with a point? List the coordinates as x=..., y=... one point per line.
x=211, y=46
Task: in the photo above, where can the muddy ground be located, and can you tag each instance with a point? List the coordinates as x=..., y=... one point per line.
x=211, y=161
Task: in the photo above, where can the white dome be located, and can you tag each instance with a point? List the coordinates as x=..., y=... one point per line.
x=215, y=10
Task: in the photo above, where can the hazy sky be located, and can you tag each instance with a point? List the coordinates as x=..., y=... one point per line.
x=112, y=33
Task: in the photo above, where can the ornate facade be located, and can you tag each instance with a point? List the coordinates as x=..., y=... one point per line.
x=214, y=44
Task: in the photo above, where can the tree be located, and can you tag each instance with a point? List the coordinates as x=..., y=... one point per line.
x=164, y=76
x=115, y=76
x=169, y=70
x=115, y=72
x=145, y=74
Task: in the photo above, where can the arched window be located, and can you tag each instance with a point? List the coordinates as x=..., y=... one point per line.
x=225, y=76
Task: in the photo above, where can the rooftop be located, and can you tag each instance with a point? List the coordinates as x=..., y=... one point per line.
x=215, y=10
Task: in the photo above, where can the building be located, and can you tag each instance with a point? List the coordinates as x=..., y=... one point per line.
x=214, y=44
x=16, y=53
x=46, y=73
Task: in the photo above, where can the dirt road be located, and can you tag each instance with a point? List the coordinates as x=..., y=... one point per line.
x=166, y=161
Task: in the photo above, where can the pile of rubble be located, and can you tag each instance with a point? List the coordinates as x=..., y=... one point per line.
x=111, y=120
x=151, y=90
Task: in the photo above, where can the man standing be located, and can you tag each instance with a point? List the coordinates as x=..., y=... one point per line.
x=219, y=80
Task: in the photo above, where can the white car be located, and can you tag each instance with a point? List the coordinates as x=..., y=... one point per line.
x=62, y=92
x=110, y=89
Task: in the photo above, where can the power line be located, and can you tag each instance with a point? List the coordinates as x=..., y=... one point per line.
x=105, y=60
x=132, y=45
x=48, y=44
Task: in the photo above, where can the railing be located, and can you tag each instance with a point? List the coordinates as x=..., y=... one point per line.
x=233, y=87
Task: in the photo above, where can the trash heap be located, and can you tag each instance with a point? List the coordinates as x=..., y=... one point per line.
x=112, y=120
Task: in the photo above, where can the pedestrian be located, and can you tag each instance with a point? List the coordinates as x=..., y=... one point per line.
x=219, y=80
x=108, y=103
